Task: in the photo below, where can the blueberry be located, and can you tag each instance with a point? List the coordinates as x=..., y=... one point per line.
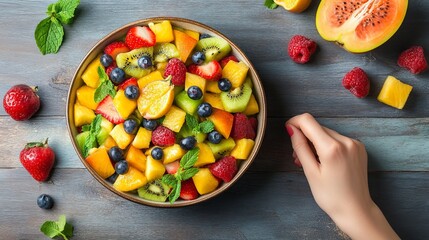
x=157, y=153
x=117, y=75
x=106, y=60
x=214, y=137
x=131, y=126
x=115, y=154
x=149, y=124
x=121, y=167
x=188, y=143
x=224, y=84
x=204, y=35
x=112, y=178
x=132, y=92
x=144, y=62
x=204, y=109
x=198, y=57
x=195, y=93
x=45, y=201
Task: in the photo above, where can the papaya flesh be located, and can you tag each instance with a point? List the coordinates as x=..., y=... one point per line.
x=360, y=25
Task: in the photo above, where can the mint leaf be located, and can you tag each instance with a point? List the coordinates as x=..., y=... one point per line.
x=188, y=173
x=50, y=229
x=91, y=139
x=61, y=223
x=105, y=88
x=169, y=179
x=68, y=230
x=49, y=35
x=191, y=121
x=86, y=127
x=206, y=126
x=190, y=158
x=67, y=8
x=175, y=192
x=270, y=4
x=57, y=229
x=102, y=74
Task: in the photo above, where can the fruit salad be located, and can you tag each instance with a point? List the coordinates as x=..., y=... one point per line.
x=166, y=113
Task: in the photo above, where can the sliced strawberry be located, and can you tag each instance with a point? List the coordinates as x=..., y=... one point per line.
x=225, y=60
x=211, y=71
x=188, y=190
x=172, y=167
x=138, y=37
x=108, y=110
x=225, y=168
x=128, y=82
x=115, y=48
x=110, y=68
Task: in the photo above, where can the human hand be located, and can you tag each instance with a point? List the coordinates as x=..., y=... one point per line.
x=336, y=170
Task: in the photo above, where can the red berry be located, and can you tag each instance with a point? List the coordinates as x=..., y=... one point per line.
x=301, y=48
x=21, y=102
x=254, y=122
x=172, y=167
x=225, y=60
x=242, y=127
x=128, y=82
x=357, y=82
x=211, y=71
x=177, y=69
x=38, y=159
x=225, y=168
x=163, y=136
x=115, y=48
x=188, y=191
x=138, y=37
x=413, y=59
x=107, y=109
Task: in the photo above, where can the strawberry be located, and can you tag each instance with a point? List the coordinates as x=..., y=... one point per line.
x=38, y=159
x=188, y=191
x=128, y=82
x=413, y=59
x=211, y=71
x=108, y=110
x=172, y=167
x=225, y=168
x=163, y=136
x=177, y=69
x=138, y=37
x=357, y=82
x=21, y=102
x=115, y=48
x=242, y=127
x=225, y=60
x=110, y=68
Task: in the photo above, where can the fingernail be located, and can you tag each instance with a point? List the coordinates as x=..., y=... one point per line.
x=289, y=130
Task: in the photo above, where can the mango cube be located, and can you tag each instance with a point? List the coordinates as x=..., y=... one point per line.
x=142, y=138
x=82, y=115
x=394, y=93
x=184, y=43
x=85, y=96
x=213, y=87
x=99, y=161
x=136, y=158
x=214, y=100
x=122, y=138
x=222, y=121
x=242, y=148
x=130, y=181
x=172, y=153
x=123, y=105
x=151, y=77
x=163, y=31
x=252, y=106
x=154, y=169
x=235, y=72
x=195, y=80
x=205, y=156
x=90, y=75
x=204, y=181
x=174, y=119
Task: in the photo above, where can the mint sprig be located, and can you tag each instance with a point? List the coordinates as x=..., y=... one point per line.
x=270, y=4
x=49, y=32
x=91, y=140
x=105, y=88
x=59, y=228
x=185, y=171
x=204, y=127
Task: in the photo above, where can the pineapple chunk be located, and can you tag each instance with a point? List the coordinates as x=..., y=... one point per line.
x=214, y=100
x=123, y=105
x=136, y=158
x=204, y=181
x=163, y=31
x=394, y=93
x=90, y=75
x=195, y=80
x=154, y=169
x=82, y=115
x=130, y=181
x=174, y=119
x=85, y=96
x=99, y=161
x=242, y=148
x=173, y=153
x=109, y=143
x=142, y=139
x=151, y=77
x=122, y=138
x=213, y=87
x=252, y=107
x=205, y=156
x=235, y=72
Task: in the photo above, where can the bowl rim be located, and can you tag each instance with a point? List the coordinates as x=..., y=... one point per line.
x=262, y=115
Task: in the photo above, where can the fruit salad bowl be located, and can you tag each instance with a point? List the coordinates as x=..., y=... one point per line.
x=166, y=112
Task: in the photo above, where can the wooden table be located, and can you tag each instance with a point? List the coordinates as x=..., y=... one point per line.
x=272, y=200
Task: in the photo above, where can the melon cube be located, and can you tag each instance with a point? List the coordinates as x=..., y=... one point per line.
x=100, y=162
x=204, y=181
x=235, y=72
x=142, y=138
x=242, y=148
x=90, y=75
x=136, y=158
x=123, y=105
x=122, y=138
x=394, y=93
x=154, y=169
x=130, y=181
x=195, y=80
x=174, y=119
x=163, y=31
x=173, y=153
x=205, y=156
x=82, y=115
x=183, y=101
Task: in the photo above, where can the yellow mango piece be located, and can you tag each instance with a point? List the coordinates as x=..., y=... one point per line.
x=394, y=92
x=252, y=107
x=85, y=96
x=99, y=161
x=130, y=181
x=235, y=72
x=163, y=31
x=82, y=115
x=106, y=124
x=213, y=99
x=123, y=105
x=242, y=148
x=205, y=156
x=172, y=153
x=90, y=75
x=136, y=158
x=195, y=80
x=122, y=138
x=154, y=169
x=109, y=143
x=212, y=86
x=193, y=34
x=204, y=181
x=151, y=77
x=174, y=119
x=142, y=138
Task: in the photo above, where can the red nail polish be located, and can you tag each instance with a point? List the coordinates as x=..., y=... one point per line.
x=289, y=130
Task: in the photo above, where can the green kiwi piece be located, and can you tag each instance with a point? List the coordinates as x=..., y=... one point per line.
x=248, y=82
x=102, y=135
x=164, y=51
x=128, y=62
x=183, y=101
x=237, y=99
x=185, y=131
x=81, y=138
x=214, y=48
x=223, y=148
x=154, y=191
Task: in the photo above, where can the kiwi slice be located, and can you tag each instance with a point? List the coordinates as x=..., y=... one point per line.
x=128, y=62
x=237, y=99
x=154, y=191
x=214, y=48
x=164, y=51
x=223, y=148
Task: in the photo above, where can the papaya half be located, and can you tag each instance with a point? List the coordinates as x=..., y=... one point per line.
x=360, y=25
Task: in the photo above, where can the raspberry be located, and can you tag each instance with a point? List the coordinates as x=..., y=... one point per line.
x=242, y=127
x=413, y=59
x=357, y=82
x=225, y=168
x=301, y=48
x=163, y=137
x=177, y=70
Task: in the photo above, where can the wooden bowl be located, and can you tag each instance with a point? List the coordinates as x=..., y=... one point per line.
x=187, y=24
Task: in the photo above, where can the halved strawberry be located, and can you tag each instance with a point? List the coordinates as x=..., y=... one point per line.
x=128, y=82
x=115, y=48
x=138, y=37
x=188, y=190
x=211, y=71
x=226, y=59
x=172, y=167
x=225, y=168
x=108, y=110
